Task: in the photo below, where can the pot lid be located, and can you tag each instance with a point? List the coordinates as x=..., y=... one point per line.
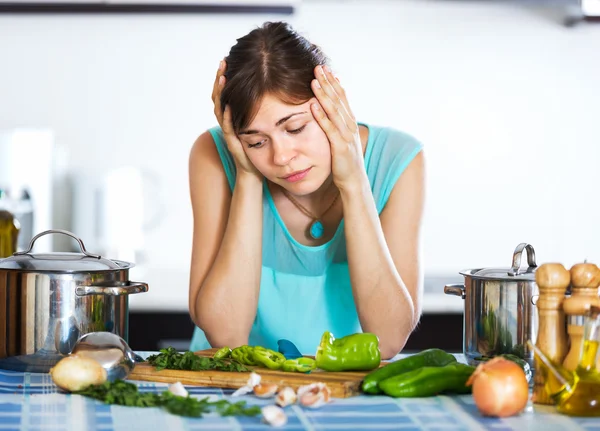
x=514, y=272
x=500, y=274
x=60, y=262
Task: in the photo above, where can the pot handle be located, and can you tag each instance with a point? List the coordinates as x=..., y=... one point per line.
x=64, y=232
x=125, y=289
x=455, y=289
x=516, y=262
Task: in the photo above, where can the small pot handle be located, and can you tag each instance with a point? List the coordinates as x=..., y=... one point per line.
x=126, y=289
x=455, y=289
x=516, y=262
x=64, y=232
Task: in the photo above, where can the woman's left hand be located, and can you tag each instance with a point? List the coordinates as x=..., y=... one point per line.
x=335, y=117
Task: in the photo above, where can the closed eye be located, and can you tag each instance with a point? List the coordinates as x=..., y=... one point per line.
x=292, y=132
x=257, y=145
x=296, y=131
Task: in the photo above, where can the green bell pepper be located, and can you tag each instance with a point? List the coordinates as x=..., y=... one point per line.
x=355, y=352
x=222, y=353
x=299, y=365
x=243, y=355
x=267, y=358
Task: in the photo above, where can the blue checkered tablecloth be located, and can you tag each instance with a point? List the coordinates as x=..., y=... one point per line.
x=30, y=401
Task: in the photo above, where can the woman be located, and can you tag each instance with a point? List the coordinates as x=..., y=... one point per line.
x=304, y=220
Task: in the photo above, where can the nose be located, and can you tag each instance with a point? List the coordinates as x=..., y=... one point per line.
x=283, y=153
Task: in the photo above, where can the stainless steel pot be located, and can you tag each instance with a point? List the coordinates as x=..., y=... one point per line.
x=500, y=313
x=47, y=301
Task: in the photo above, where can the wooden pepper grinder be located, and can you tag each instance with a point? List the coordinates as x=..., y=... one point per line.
x=552, y=280
x=585, y=279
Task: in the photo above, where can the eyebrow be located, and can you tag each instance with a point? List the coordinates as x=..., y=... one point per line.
x=279, y=123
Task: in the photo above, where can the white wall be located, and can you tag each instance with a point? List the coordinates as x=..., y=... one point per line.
x=505, y=99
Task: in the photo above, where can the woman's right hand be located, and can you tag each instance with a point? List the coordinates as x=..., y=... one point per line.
x=235, y=146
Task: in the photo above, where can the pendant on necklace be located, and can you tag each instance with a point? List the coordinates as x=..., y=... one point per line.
x=316, y=230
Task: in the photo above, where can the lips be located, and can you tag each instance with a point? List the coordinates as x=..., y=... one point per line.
x=297, y=176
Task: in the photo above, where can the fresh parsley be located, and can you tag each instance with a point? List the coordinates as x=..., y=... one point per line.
x=225, y=408
x=171, y=359
x=127, y=394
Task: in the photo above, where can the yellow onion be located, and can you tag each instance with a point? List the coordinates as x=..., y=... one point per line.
x=74, y=373
x=500, y=388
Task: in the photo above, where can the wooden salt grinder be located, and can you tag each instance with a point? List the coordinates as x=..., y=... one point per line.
x=552, y=280
x=585, y=279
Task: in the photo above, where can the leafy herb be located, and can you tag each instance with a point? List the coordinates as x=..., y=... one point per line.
x=225, y=408
x=185, y=406
x=127, y=394
x=122, y=393
x=171, y=359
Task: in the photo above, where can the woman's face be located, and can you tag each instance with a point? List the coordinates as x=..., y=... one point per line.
x=287, y=145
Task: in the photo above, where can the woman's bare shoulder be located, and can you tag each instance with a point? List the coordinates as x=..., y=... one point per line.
x=205, y=166
x=204, y=155
x=203, y=147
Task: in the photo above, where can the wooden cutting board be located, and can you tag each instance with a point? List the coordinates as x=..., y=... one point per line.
x=342, y=384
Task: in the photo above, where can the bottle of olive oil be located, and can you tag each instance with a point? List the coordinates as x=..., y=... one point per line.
x=576, y=393
x=9, y=232
x=9, y=228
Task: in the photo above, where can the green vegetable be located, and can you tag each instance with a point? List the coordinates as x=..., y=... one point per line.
x=353, y=352
x=226, y=408
x=299, y=365
x=267, y=358
x=425, y=358
x=429, y=381
x=244, y=355
x=121, y=393
x=183, y=406
x=170, y=359
x=127, y=394
x=222, y=353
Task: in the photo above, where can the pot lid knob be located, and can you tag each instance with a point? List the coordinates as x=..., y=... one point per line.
x=516, y=262
x=65, y=262
x=61, y=231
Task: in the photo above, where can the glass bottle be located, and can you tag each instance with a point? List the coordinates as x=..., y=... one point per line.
x=577, y=392
x=9, y=229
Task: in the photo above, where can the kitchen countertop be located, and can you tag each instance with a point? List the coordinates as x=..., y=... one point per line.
x=168, y=292
x=30, y=401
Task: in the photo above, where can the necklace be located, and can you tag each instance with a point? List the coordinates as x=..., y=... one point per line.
x=316, y=229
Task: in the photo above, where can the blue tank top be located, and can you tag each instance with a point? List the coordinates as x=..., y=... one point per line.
x=304, y=290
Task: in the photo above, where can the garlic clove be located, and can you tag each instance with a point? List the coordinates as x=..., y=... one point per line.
x=274, y=415
x=285, y=397
x=178, y=389
x=314, y=395
x=242, y=391
x=265, y=390
x=253, y=381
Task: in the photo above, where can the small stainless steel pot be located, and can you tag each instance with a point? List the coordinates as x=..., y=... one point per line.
x=500, y=313
x=47, y=301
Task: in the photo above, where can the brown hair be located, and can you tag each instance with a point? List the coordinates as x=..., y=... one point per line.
x=271, y=59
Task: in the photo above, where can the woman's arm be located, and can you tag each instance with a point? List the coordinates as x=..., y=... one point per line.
x=227, y=247
x=383, y=256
